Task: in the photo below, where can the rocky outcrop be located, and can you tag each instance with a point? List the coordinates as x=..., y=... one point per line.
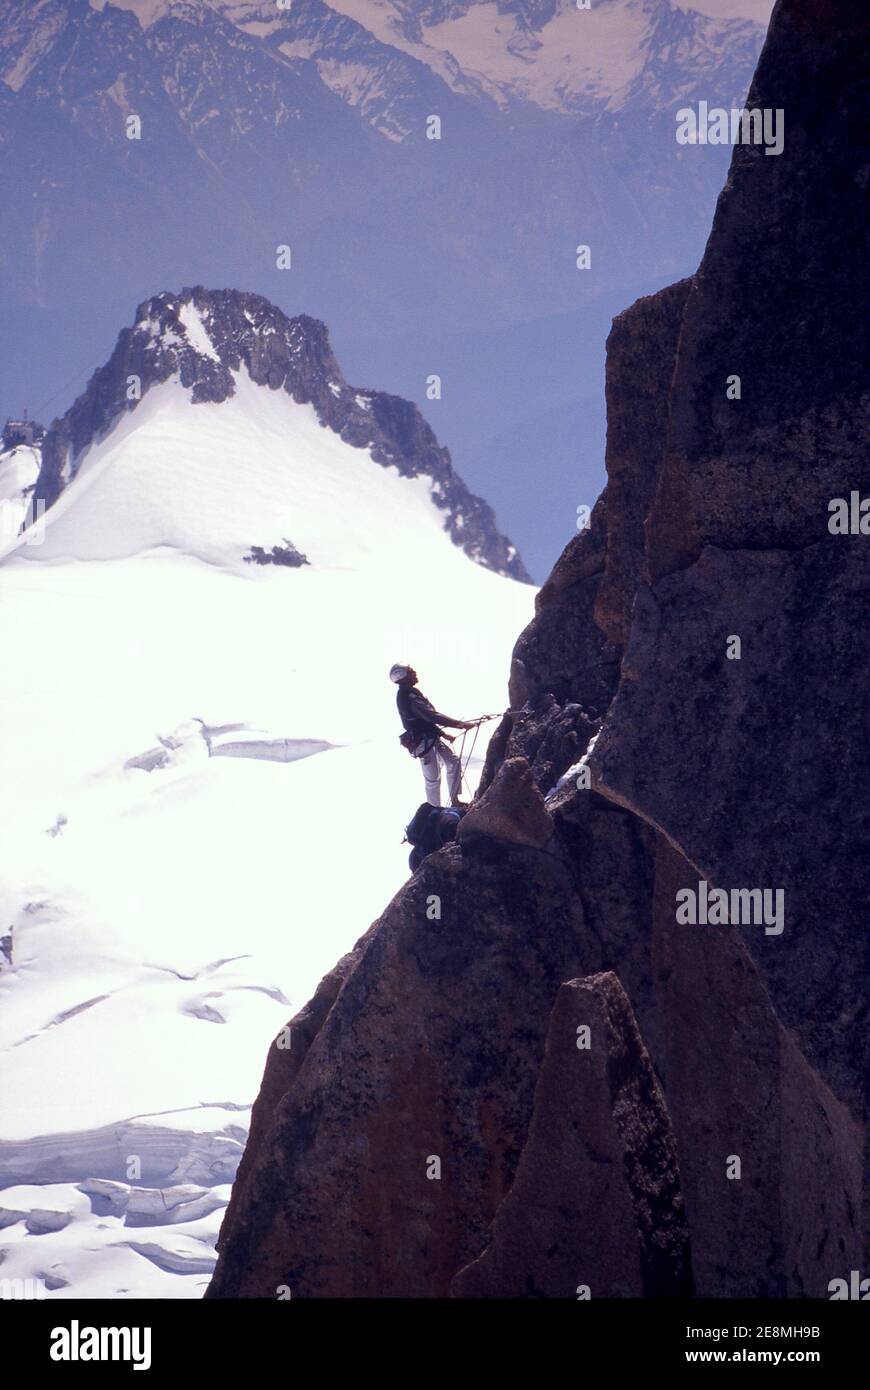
x=286, y=555
x=775, y=303
x=595, y=1210
x=696, y=744
x=685, y=721
x=201, y=338
x=286, y=1055
x=641, y=357
x=563, y=671
x=387, y=1157
x=562, y=653
x=732, y=730
x=512, y=809
x=770, y=1160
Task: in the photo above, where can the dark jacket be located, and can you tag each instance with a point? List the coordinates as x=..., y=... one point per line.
x=420, y=717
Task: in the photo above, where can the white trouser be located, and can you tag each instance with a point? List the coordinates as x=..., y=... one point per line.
x=441, y=752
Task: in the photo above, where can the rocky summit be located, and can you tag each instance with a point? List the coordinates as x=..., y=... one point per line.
x=533, y=1077
x=202, y=339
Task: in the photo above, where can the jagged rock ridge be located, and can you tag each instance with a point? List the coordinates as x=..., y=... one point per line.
x=202, y=337
x=261, y=100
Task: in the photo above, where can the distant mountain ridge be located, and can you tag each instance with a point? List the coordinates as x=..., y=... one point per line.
x=202, y=338
x=248, y=114
x=554, y=56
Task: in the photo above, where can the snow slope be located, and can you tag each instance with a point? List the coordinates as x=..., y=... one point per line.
x=561, y=58
x=158, y=927
x=594, y=53
x=190, y=485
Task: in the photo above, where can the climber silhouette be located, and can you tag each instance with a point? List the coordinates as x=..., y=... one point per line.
x=424, y=736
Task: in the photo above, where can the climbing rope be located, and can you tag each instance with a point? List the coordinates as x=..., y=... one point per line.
x=465, y=760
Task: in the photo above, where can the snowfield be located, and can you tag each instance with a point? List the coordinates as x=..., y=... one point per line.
x=19, y=469
x=157, y=927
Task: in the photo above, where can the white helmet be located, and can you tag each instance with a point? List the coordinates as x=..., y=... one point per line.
x=399, y=672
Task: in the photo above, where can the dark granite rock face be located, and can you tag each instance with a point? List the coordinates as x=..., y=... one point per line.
x=595, y=1209
x=739, y=1088
x=286, y=1055
x=280, y=354
x=641, y=357
x=741, y=1115
x=747, y=759
x=391, y=1150
x=562, y=652
x=753, y=765
x=563, y=670
x=775, y=302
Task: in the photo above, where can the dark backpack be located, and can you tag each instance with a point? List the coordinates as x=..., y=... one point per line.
x=431, y=827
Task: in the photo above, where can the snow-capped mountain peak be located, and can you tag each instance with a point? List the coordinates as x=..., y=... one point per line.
x=552, y=55
x=222, y=427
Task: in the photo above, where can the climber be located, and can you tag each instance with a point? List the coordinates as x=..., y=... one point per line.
x=424, y=737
